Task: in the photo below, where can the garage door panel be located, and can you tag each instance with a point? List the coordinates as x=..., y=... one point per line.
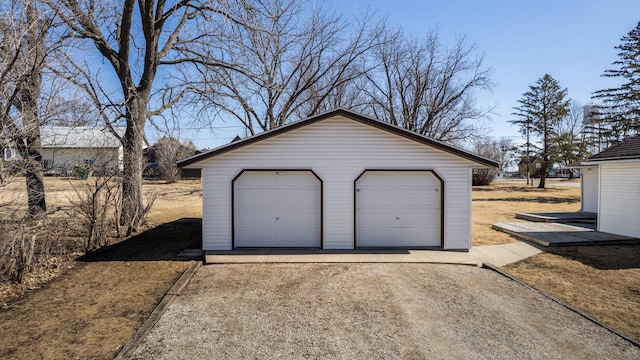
x=297, y=198
x=298, y=217
x=277, y=209
x=398, y=209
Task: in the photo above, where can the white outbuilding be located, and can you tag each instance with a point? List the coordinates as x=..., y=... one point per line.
x=617, y=188
x=338, y=180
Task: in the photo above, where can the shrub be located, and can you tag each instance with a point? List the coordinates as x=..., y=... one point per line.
x=483, y=176
x=95, y=205
x=25, y=246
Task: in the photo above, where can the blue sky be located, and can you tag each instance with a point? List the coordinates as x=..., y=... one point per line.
x=573, y=41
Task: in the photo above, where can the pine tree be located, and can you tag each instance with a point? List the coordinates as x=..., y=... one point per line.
x=621, y=105
x=540, y=110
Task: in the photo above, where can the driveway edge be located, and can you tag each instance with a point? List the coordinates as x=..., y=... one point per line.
x=171, y=294
x=562, y=303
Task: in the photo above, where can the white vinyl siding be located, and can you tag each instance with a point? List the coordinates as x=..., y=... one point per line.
x=338, y=150
x=589, y=189
x=619, y=211
x=398, y=209
x=67, y=158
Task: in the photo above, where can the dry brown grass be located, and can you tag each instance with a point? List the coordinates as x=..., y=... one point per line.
x=501, y=201
x=175, y=201
x=100, y=300
x=97, y=301
x=603, y=281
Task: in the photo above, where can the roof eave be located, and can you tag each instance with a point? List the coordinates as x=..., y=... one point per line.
x=613, y=158
x=484, y=162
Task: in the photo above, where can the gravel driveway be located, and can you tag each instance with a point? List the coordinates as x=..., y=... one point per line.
x=370, y=311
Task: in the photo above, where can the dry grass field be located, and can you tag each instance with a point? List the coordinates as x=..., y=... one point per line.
x=603, y=281
x=97, y=302
x=500, y=201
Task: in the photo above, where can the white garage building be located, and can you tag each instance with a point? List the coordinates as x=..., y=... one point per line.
x=617, y=188
x=338, y=180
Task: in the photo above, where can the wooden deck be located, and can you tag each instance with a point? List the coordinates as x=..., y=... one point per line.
x=556, y=234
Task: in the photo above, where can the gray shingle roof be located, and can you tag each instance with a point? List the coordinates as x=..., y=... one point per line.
x=79, y=137
x=628, y=149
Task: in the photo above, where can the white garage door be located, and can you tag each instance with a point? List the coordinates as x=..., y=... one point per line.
x=398, y=209
x=277, y=209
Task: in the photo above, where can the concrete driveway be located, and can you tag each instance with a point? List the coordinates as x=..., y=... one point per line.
x=370, y=311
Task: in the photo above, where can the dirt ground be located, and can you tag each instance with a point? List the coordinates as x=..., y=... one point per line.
x=370, y=311
x=98, y=301
x=603, y=281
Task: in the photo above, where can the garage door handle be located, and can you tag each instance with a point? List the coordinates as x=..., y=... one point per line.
x=397, y=218
x=277, y=218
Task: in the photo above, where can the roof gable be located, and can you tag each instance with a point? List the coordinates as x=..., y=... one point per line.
x=346, y=114
x=628, y=149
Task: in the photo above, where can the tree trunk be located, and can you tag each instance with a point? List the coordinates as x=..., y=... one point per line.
x=543, y=174
x=28, y=142
x=37, y=206
x=133, y=140
x=29, y=148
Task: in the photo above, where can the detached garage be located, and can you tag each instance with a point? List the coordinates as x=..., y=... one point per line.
x=618, y=188
x=338, y=180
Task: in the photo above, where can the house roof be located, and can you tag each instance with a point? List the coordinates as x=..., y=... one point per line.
x=79, y=137
x=628, y=149
x=350, y=115
x=532, y=160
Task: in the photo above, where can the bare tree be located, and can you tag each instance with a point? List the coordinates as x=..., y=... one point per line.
x=569, y=140
x=168, y=151
x=139, y=40
x=423, y=86
x=499, y=150
x=288, y=62
x=507, y=152
x=24, y=47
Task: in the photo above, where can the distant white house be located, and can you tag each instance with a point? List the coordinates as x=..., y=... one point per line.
x=64, y=147
x=611, y=184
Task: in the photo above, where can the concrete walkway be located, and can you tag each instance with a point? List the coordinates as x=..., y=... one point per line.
x=324, y=256
x=497, y=255
x=504, y=254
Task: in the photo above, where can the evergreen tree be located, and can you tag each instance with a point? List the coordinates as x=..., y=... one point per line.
x=540, y=110
x=621, y=105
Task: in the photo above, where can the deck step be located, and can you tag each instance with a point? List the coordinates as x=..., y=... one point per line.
x=573, y=217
